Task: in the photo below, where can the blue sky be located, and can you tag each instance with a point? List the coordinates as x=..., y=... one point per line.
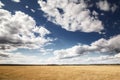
x=59, y=31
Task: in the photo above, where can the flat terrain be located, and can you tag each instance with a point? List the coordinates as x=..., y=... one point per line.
x=60, y=72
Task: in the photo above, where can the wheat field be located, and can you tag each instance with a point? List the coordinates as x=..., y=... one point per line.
x=59, y=72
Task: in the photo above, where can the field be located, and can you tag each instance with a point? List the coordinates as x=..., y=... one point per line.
x=60, y=72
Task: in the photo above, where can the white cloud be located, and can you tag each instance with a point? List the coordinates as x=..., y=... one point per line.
x=16, y=1
x=1, y=4
x=111, y=45
x=114, y=43
x=18, y=58
x=19, y=31
x=114, y=7
x=32, y=10
x=71, y=52
x=46, y=51
x=103, y=5
x=85, y=59
x=72, y=15
x=117, y=55
x=106, y=6
x=26, y=6
x=95, y=13
x=105, y=59
x=42, y=31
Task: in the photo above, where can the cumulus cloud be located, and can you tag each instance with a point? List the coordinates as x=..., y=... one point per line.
x=114, y=7
x=46, y=51
x=95, y=13
x=102, y=45
x=3, y=55
x=16, y=1
x=1, y=4
x=70, y=52
x=18, y=58
x=106, y=6
x=26, y=6
x=32, y=10
x=19, y=30
x=103, y=5
x=42, y=31
x=72, y=15
x=104, y=59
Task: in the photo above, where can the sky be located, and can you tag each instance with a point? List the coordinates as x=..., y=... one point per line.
x=59, y=31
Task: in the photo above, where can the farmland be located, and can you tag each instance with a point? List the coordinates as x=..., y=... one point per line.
x=60, y=72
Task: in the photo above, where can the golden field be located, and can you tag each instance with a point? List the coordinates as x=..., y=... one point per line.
x=60, y=72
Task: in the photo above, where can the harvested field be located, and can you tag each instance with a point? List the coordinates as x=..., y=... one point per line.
x=60, y=72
